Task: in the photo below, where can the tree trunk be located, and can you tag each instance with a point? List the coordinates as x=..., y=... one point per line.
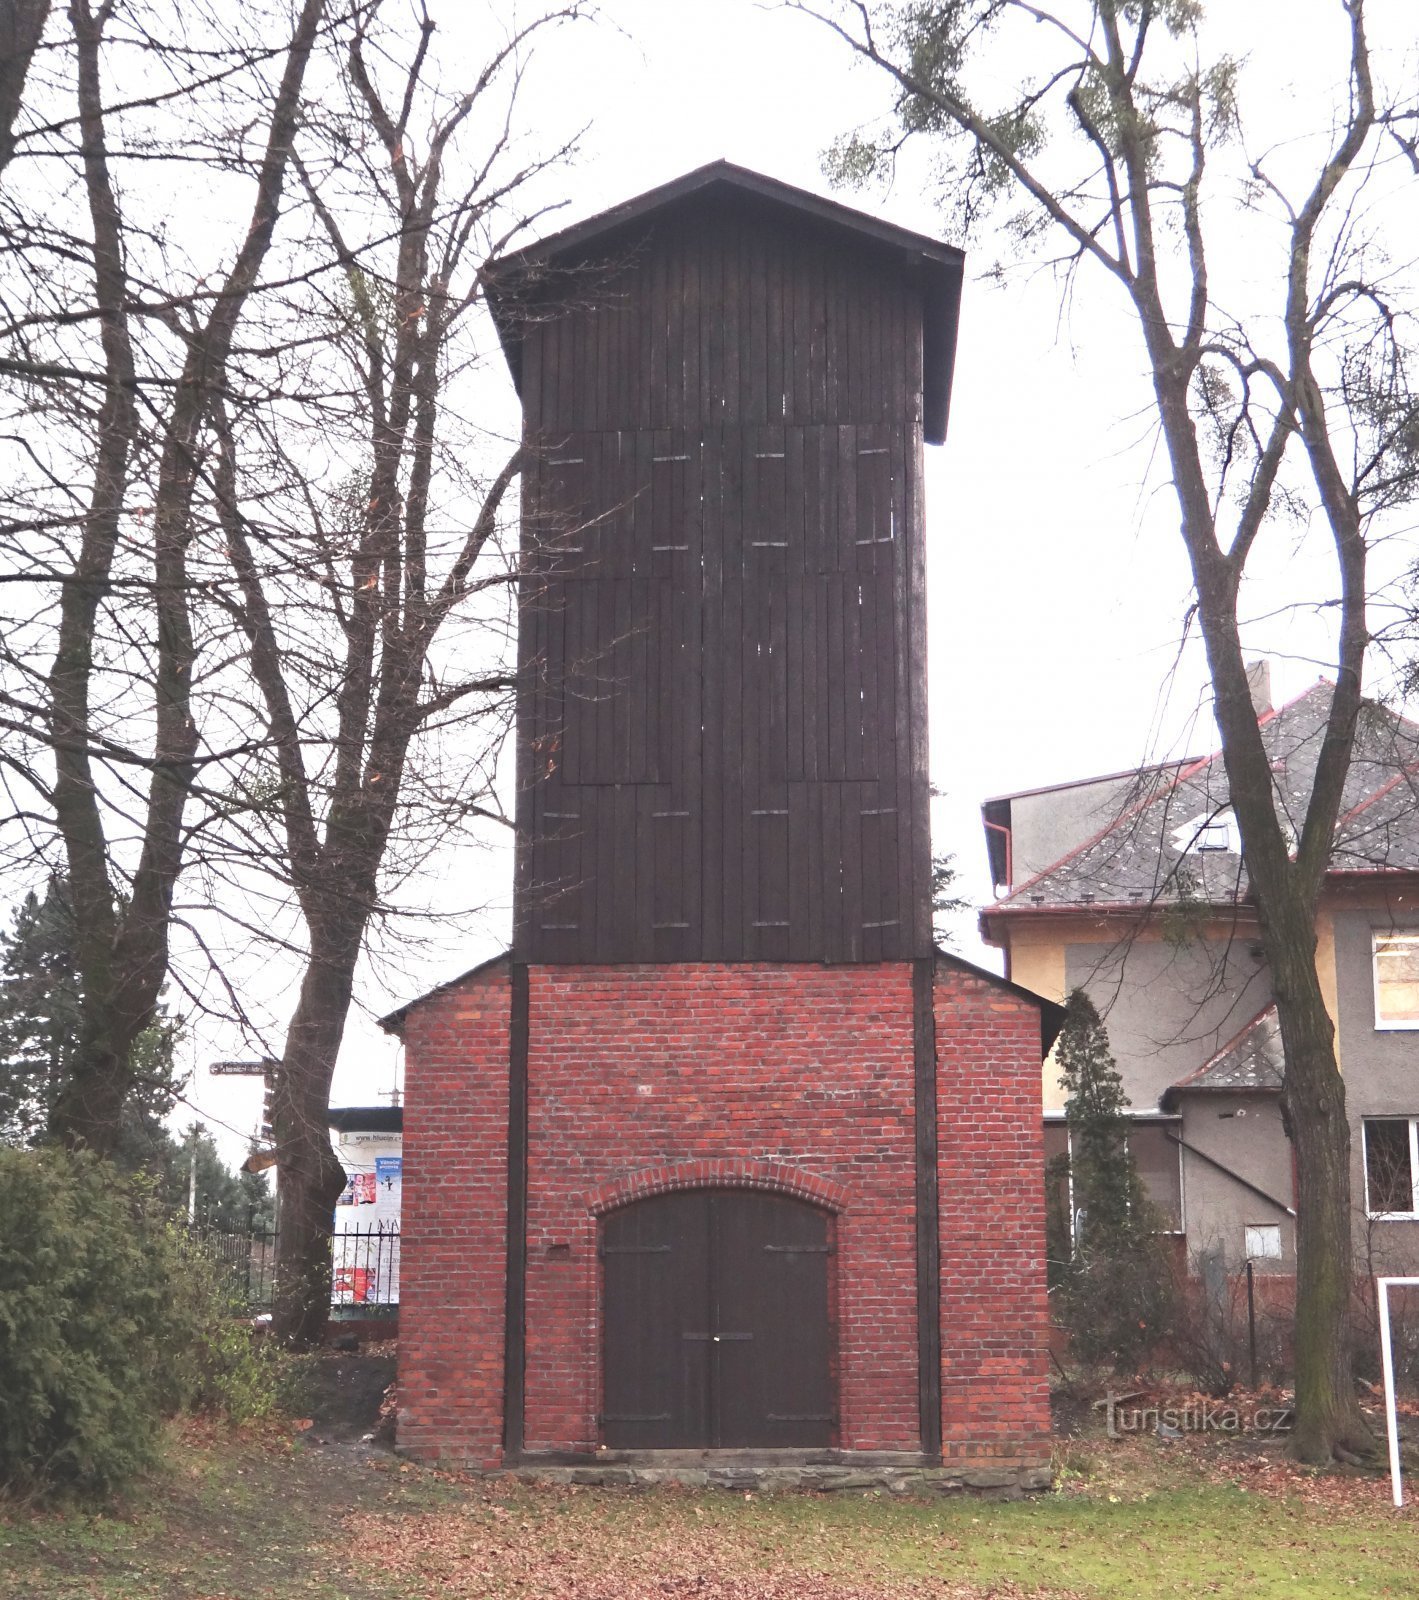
x=1313, y=1109
x=89, y=1105
x=310, y=1178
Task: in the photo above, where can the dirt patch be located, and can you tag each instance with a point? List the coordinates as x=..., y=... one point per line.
x=341, y=1396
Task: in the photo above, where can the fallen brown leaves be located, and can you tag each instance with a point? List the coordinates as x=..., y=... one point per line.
x=651, y=1549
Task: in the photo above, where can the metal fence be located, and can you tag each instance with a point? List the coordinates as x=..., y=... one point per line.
x=364, y=1266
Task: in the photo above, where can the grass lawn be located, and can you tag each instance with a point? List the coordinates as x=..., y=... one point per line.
x=275, y=1519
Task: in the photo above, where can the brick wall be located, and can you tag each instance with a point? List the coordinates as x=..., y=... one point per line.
x=454, y=1228
x=994, y=1316
x=634, y=1068
x=796, y=1078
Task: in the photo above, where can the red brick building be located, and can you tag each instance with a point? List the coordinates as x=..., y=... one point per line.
x=723, y=1157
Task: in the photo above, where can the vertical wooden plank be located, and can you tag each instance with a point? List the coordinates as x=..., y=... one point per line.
x=836, y=943
x=685, y=340
x=854, y=404
x=654, y=333
x=800, y=868
x=835, y=690
x=710, y=249
x=909, y=621
x=818, y=334
x=736, y=724
x=916, y=535
x=775, y=934
x=852, y=913
x=625, y=851
x=578, y=413
x=531, y=393
x=798, y=331
x=604, y=703
x=621, y=656
x=753, y=356
x=713, y=648
x=794, y=600
x=601, y=877
x=773, y=289
x=755, y=686
x=834, y=357
x=734, y=322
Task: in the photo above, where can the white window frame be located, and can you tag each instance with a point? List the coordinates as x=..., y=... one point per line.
x=1383, y=1025
x=1393, y=1216
x=1212, y=833
x=1253, y=1231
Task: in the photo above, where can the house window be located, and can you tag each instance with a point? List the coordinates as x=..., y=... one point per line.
x=1215, y=834
x=1396, y=980
x=1391, y=1166
x=1263, y=1241
x=1213, y=830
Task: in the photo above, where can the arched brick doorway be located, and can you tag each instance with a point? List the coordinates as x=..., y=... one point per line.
x=717, y=1323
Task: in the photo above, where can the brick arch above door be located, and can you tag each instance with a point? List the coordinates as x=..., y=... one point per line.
x=737, y=1172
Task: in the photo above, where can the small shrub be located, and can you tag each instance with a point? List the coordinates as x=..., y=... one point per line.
x=226, y=1368
x=109, y=1324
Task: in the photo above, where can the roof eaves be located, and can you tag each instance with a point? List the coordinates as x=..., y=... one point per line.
x=943, y=266
x=628, y=212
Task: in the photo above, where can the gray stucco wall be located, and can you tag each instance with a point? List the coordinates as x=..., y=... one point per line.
x=1243, y=1134
x=1381, y=1068
x=1168, y=1007
x=1045, y=827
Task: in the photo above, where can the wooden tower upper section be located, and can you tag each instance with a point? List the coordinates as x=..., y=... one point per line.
x=726, y=386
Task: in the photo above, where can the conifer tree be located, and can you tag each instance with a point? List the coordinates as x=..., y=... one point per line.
x=1117, y=1292
x=1107, y=1188
x=41, y=1011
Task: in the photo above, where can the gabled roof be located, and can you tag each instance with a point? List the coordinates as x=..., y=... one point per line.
x=1151, y=854
x=1252, y=1063
x=1051, y=1012
x=394, y=1021
x=513, y=279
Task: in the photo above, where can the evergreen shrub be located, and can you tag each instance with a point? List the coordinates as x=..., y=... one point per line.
x=110, y=1322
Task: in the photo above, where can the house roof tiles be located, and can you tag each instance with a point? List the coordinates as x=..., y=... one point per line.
x=1174, y=841
x=1253, y=1063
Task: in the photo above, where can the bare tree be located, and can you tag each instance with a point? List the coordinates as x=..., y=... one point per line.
x=1130, y=145
x=105, y=747
x=350, y=576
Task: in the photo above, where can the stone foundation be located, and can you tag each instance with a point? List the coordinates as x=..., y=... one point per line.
x=816, y=1472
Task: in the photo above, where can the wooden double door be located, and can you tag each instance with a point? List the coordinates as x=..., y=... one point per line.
x=717, y=1327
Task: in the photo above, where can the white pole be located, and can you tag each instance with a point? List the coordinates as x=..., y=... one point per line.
x=1384, y=1285
x=1391, y=1416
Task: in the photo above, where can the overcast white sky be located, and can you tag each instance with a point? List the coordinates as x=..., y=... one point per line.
x=1057, y=581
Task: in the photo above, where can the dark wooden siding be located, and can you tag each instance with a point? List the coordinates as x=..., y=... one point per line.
x=723, y=717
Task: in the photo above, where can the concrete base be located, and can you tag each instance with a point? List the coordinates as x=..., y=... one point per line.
x=814, y=1471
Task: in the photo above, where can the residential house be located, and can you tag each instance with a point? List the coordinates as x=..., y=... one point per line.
x=1134, y=887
